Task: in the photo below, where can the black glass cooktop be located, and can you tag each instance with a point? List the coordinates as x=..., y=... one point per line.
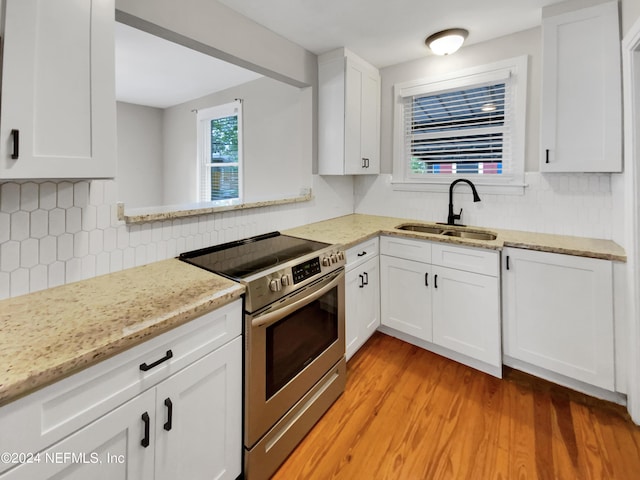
x=243, y=258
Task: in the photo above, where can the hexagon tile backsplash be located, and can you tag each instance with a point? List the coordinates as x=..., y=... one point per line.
x=53, y=233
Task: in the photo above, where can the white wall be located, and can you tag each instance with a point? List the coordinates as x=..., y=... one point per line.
x=140, y=157
x=277, y=131
x=575, y=204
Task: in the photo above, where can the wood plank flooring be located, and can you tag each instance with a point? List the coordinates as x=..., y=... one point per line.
x=411, y=414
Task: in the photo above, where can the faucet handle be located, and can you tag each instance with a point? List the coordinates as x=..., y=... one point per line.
x=458, y=216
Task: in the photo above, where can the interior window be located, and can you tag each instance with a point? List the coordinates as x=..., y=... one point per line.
x=220, y=152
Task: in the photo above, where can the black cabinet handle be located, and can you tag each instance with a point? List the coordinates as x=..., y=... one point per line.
x=435, y=281
x=507, y=262
x=145, y=441
x=362, y=254
x=365, y=162
x=15, y=134
x=361, y=281
x=547, y=155
x=169, y=404
x=366, y=278
x=426, y=279
x=144, y=367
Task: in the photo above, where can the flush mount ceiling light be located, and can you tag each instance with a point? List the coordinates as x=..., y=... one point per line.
x=447, y=41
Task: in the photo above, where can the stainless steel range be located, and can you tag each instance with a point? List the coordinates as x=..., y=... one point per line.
x=294, y=338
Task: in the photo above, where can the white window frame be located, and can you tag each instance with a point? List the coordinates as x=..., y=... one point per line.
x=515, y=69
x=204, y=117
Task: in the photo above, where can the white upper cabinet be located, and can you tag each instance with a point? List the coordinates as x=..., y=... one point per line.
x=349, y=115
x=581, y=118
x=58, y=117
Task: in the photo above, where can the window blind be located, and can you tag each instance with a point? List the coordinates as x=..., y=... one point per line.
x=462, y=131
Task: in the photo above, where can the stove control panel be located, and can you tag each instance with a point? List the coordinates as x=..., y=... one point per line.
x=305, y=270
x=282, y=281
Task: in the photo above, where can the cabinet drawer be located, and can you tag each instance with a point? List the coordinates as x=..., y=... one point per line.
x=54, y=412
x=476, y=260
x=406, y=248
x=362, y=252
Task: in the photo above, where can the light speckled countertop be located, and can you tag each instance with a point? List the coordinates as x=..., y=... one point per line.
x=353, y=229
x=47, y=335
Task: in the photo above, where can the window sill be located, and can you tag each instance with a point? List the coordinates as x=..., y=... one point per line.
x=488, y=188
x=170, y=212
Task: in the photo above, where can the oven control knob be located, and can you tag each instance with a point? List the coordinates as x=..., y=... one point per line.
x=275, y=285
x=334, y=258
x=340, y=255
x=326, y=262
x=285, y=280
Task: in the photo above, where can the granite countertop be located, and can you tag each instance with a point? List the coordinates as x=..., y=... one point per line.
x=353, y=229
x=54, y=333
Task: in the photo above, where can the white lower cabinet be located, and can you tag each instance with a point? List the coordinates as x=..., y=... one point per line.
x=362, y=295
x=451, y=304
x=146, y=415
x=405, y=296
x=466, y=314
x=108, y=449
x=558, y=315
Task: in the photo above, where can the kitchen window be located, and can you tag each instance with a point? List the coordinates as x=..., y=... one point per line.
x=466, y=124
x=220, y=153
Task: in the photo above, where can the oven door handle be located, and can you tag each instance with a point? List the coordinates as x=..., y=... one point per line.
x=273, y=317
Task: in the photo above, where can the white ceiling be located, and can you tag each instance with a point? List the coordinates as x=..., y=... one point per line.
x=386, y=32
x=154, y=72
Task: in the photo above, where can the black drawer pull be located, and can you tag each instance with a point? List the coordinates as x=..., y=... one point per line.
x=169, y=404
x=435, y=281
x=547, y=155
x=15, y=134
x=507, y=262
x=362, y=254
x=144, y=367
x=361, y=281
x=426, y=279
x=366, y=278
x=145, y=441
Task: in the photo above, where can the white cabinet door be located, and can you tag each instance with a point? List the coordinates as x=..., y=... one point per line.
x=558, y=314
x=108, y=449
x=199, y=418
x=362, y=299
x=405, y=296
x=466, y=314
x=371, y=298
x=348, y=115
x=58, y=90
x=362, y=120
x=581, y=119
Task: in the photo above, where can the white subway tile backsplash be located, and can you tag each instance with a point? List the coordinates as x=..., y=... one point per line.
x=38, y=278
x=568, y=204
x=19, y=282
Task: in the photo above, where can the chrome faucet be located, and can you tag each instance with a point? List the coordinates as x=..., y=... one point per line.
x=451, y=219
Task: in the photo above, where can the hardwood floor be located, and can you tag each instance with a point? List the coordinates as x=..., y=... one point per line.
x=411, y=414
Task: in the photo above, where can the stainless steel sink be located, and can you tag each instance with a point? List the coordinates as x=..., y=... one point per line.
x=437, y=230
x=416, y=227
x=470, y=234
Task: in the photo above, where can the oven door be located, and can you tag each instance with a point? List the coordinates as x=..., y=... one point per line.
x=290, y=346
